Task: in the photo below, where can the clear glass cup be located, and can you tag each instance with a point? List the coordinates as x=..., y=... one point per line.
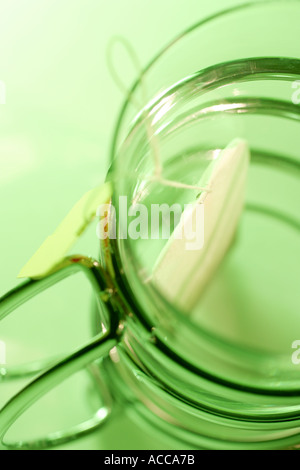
x=221, y=375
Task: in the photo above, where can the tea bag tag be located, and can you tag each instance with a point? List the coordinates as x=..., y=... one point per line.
x=181, y=272
x=56, y=246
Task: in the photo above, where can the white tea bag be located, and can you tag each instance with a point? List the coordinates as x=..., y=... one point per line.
x=182, y=271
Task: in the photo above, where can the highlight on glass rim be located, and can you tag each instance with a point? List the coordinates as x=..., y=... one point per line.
x=150, y=187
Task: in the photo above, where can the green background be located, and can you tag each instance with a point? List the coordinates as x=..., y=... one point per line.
x=56, y=128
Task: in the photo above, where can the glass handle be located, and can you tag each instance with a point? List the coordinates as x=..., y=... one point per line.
x=99, y=347
x=55, y=372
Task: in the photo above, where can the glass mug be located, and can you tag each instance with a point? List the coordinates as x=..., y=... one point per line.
x=221, y=376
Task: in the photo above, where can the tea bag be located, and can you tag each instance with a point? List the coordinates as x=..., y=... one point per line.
x=182, y=272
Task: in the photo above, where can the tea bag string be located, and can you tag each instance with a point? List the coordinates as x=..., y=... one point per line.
x=152, y=137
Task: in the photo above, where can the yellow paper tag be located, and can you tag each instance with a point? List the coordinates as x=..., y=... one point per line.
x=56, y=246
